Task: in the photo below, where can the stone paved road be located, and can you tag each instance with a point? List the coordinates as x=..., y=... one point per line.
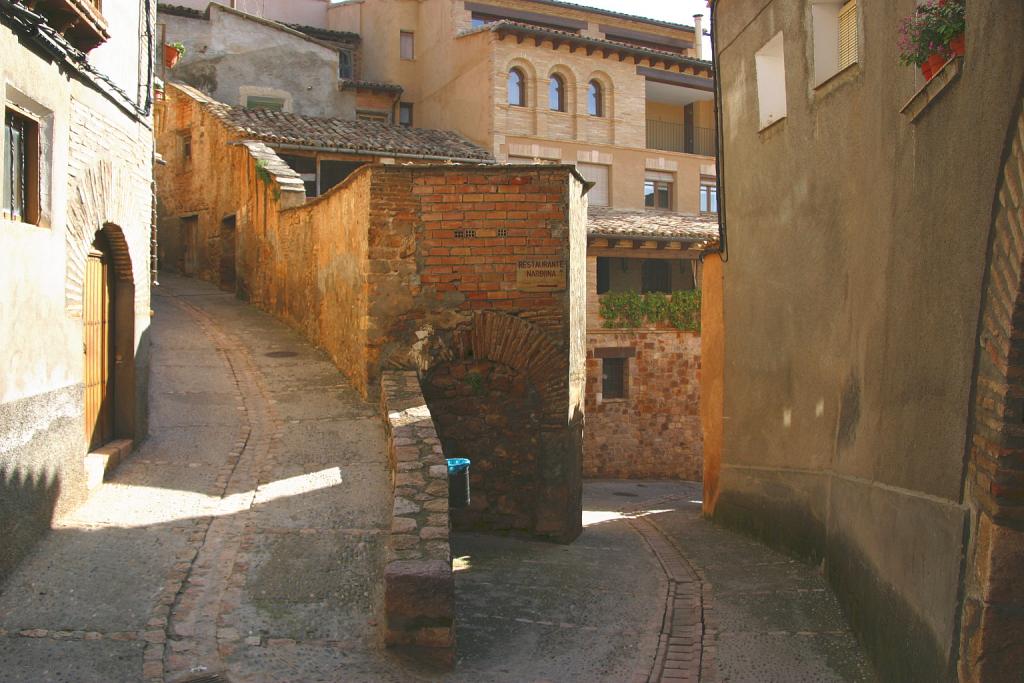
x=245, y=537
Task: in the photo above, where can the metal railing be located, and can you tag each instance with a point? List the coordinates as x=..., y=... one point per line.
x=675, y=137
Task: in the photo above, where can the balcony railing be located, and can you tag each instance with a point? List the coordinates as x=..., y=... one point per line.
x=676, y=137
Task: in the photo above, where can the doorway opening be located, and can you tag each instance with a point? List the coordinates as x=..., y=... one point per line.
x=108, y=317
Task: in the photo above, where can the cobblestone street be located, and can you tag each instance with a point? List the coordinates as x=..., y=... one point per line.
x=245, y=538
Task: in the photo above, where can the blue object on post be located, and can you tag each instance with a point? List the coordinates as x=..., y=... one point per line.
x=458, y=482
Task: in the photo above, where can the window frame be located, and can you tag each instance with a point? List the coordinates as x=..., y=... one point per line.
x=827, y=38
x=411, y=35
x=378, y=115
x=344, y=55
x=28, y=211
x=597, y=110
x=404, y=107
x=667, y=186
x=557, y=90
x=520, y=87
x=622, y=364
x=711, y=188
x=265, y=99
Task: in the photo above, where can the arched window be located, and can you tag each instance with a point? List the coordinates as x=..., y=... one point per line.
x=556, y=93
x=516, y=88
x=595, y=99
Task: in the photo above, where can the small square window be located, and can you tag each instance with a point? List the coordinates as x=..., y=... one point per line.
x=407, y=45
x=613, y=377
x=658, y=194
x=21, y=168
x=405, y=114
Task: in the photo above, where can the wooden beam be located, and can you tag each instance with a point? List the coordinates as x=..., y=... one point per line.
x=673, y=254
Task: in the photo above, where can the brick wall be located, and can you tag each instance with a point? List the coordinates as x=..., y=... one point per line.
x=992, y=623
x=655, y=431
x=444, y=248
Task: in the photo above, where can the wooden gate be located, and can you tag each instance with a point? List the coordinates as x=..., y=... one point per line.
x=98, y=318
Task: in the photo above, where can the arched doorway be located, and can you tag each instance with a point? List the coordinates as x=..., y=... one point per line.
x=108, y=321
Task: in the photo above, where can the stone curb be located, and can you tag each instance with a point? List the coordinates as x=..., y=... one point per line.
x=419, y=588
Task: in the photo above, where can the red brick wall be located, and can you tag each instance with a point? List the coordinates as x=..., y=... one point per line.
x=655, y=431
x=443, y=249
x=992, y=624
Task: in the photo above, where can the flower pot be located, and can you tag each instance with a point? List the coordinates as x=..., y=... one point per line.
x=957, y=45
x=171, y=56
x=926, y=70
x=936, y=62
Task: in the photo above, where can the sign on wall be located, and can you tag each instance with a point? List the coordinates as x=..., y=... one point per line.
x=540, y=275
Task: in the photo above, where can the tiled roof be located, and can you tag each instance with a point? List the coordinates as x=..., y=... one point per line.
x=610, y=13
x=565, y=37
x=655, y=225
x=283, y=128
x=326, y=34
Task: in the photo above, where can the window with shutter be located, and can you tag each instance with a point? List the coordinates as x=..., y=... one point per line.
x=848, y=34
x=597, y=174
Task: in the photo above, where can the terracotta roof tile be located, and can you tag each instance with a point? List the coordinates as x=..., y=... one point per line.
x=285, y=128
x=658, y=225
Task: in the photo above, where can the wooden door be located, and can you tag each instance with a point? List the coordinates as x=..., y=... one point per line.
x=98, y=314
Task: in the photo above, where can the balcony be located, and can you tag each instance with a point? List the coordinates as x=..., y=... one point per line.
x=677, y=137
x=81, y=22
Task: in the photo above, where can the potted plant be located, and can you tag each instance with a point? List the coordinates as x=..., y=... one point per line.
x=932, y=35
x=172, y=53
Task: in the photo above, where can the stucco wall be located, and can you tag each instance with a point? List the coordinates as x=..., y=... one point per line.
x=88, y=145
x=857, y=246
x=231, y=57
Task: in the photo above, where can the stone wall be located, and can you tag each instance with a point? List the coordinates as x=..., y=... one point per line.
x=419, y=590
x=655, y=431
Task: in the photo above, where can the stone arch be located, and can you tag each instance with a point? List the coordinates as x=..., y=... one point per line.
x=519, y=344
x=993, y=599
x=104, y=195
x=497, y=388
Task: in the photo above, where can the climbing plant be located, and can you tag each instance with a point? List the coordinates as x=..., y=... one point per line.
x=632, y=309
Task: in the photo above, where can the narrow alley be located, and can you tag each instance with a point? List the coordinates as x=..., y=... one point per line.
x=245, y=538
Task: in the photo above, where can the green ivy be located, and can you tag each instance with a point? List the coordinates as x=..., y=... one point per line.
x=632, y=309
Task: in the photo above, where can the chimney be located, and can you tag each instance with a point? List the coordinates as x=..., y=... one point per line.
x=698, y=35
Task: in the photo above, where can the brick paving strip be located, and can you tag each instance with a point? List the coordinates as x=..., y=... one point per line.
x=686, y=641
x=191, y=630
